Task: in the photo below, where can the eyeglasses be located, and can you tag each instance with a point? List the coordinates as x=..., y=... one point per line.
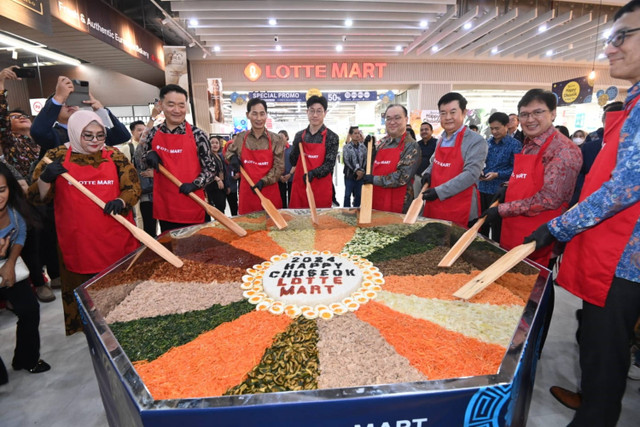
x=617, y=39
x=315, y=112
x=90, y=137
x=18, y=116
x=393, y=119
x=536, y=114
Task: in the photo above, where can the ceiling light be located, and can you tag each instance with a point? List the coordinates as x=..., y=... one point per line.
x=549, y=52
x=278, y=47
x=542, y=28
x=467, y=26
x=434, y=49
x=398, y=48
x=348, y=22
x=607, y=34
x=494, y=50
x=216, y=48
x=204, y=55
x=273, y=22
x=14, y=55
x=193, y=22
x=338, y=48
x=41, y=51
x=424, y=24
x=602, y=56
x=592, y=75
x=192, y=44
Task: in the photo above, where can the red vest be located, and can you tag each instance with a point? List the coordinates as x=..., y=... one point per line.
x=447, y=164
x=386, y=163
x=257, y=163
x=180, y=156
x=603, y=244
x=90, y=241
x=526, y=180
x=322, y=188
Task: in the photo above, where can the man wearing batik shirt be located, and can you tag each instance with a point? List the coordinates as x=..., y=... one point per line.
x=601, y=262
x=18, y=148
x=395, y=162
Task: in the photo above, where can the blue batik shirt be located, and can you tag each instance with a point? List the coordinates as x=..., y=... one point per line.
x=620, y=192
x=500, y=160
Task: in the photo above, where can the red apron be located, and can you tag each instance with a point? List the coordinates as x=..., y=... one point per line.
x=603, y=244
x=322, y=188
x=90, y=241
x=180, y=156
x=257, y=163
x=386, y=163
x=447, y=164
x=526, y=180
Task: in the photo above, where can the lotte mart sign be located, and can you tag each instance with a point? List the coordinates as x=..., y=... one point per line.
x=333, y=70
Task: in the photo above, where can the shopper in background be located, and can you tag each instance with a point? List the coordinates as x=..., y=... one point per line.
x=394, y=164
x=261, y=154
x=455, y=166
x=473, y=128
x=320, y=149
x=563, y=130
x=579, y=137
x=427, y=146
x=216, y=191
x=600, y=261
x=186, y=152
x=145, y=174
x=136, y=128
x=90, y=239
x=285, y=180
x=232, y=177
x=513, y=131
x=498, y=167
x=354, y=156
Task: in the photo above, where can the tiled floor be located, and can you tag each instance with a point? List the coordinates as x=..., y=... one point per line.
x=68, y=394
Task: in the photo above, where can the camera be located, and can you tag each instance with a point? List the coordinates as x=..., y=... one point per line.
x=275, y=39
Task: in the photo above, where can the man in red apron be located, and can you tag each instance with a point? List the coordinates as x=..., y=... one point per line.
x=456, y=166
x=543, y=178
x=601, y=262
x=320, y=147
x=186, y=152
x=395, y=162
x=261, y=154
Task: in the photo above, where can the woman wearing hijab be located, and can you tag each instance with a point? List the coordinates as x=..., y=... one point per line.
x=89, y=239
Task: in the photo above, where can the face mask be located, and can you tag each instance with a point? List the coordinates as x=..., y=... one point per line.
x=578, y=141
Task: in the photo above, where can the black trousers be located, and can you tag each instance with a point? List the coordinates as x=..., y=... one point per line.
x=216, y=196
x=232, y=199
x=285, y=193
x=605, y=338
x=149, y=223
x=495, y=228
x=26, y=307
x=49, y=241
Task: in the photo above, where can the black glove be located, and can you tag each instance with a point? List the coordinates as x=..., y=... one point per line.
x=234, y=162
x=153, y=160
x=308, y=177
x=542, y=236
x=188, y=187
x=51, y=171
x=426, y=179
x=258, y=185
x=115, y=206
x=492, y=215
x=367, y=179
x=430, y=195
x=499, y=196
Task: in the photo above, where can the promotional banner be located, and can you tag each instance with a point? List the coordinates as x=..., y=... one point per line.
x=351, y=95
x=214, y=95
x=175, y=66
x=573, y=91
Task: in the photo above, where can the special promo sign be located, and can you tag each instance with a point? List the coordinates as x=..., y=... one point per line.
x=573, y=91
x=333, y=70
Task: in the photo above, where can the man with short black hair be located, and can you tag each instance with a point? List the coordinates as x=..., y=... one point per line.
x=320, y=146
x=512, y=127
x=427, y=144
x=354, y=155
x=186, y=152
x=129, y=148
x=455, y=166
x=261, y=154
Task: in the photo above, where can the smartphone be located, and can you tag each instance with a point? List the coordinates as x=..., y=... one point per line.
x=80, y=93
x=25, y=73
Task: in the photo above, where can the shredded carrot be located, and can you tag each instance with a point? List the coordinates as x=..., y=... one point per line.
x=260, y=244
x=332, y=234
x=222, y=234
x=519, y=284
x=379, y=218
x=443, y=285
x=215, y=361
x=433, y=350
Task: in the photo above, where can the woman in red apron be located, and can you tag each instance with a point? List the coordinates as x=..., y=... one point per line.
x=447, y=164
x=89, y=239
x=314, y=155
x=257, y=163
x=385, y=163
x=526, y=180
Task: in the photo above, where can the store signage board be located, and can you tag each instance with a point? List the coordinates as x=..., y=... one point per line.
x=32, y=13
x=107, y=24
x=333, y=70
x=351, y=95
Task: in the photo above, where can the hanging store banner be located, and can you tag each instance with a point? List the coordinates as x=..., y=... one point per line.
x=32, y=13
x=332, y=70
x=573, y=91
x=175, y=66
x=351, y=96
x=110, y=26
x=214, y=95
x=279, y=96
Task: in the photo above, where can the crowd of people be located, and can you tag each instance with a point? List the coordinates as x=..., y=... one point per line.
x=522, y=180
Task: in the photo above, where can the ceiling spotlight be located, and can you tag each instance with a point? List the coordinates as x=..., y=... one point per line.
x=192, y=44
x=424, y=24
x=273, y=22
x=398, y=48
x=193, y=22
x=542, y=28
x=14, y=55
x=602, y=56
x=339, y=48
x=278, y=47
x=216, y=48
x=348, y=22
x=592, y=74
x=434, y=49
x=549, y=52
x=204, y=55
x=606, y=34
x=467, y=26
x=494, y=50
x=165, y=21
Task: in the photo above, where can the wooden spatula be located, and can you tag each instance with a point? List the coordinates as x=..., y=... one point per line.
x=416, y=206
x=310, y=197
x=268, y=206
